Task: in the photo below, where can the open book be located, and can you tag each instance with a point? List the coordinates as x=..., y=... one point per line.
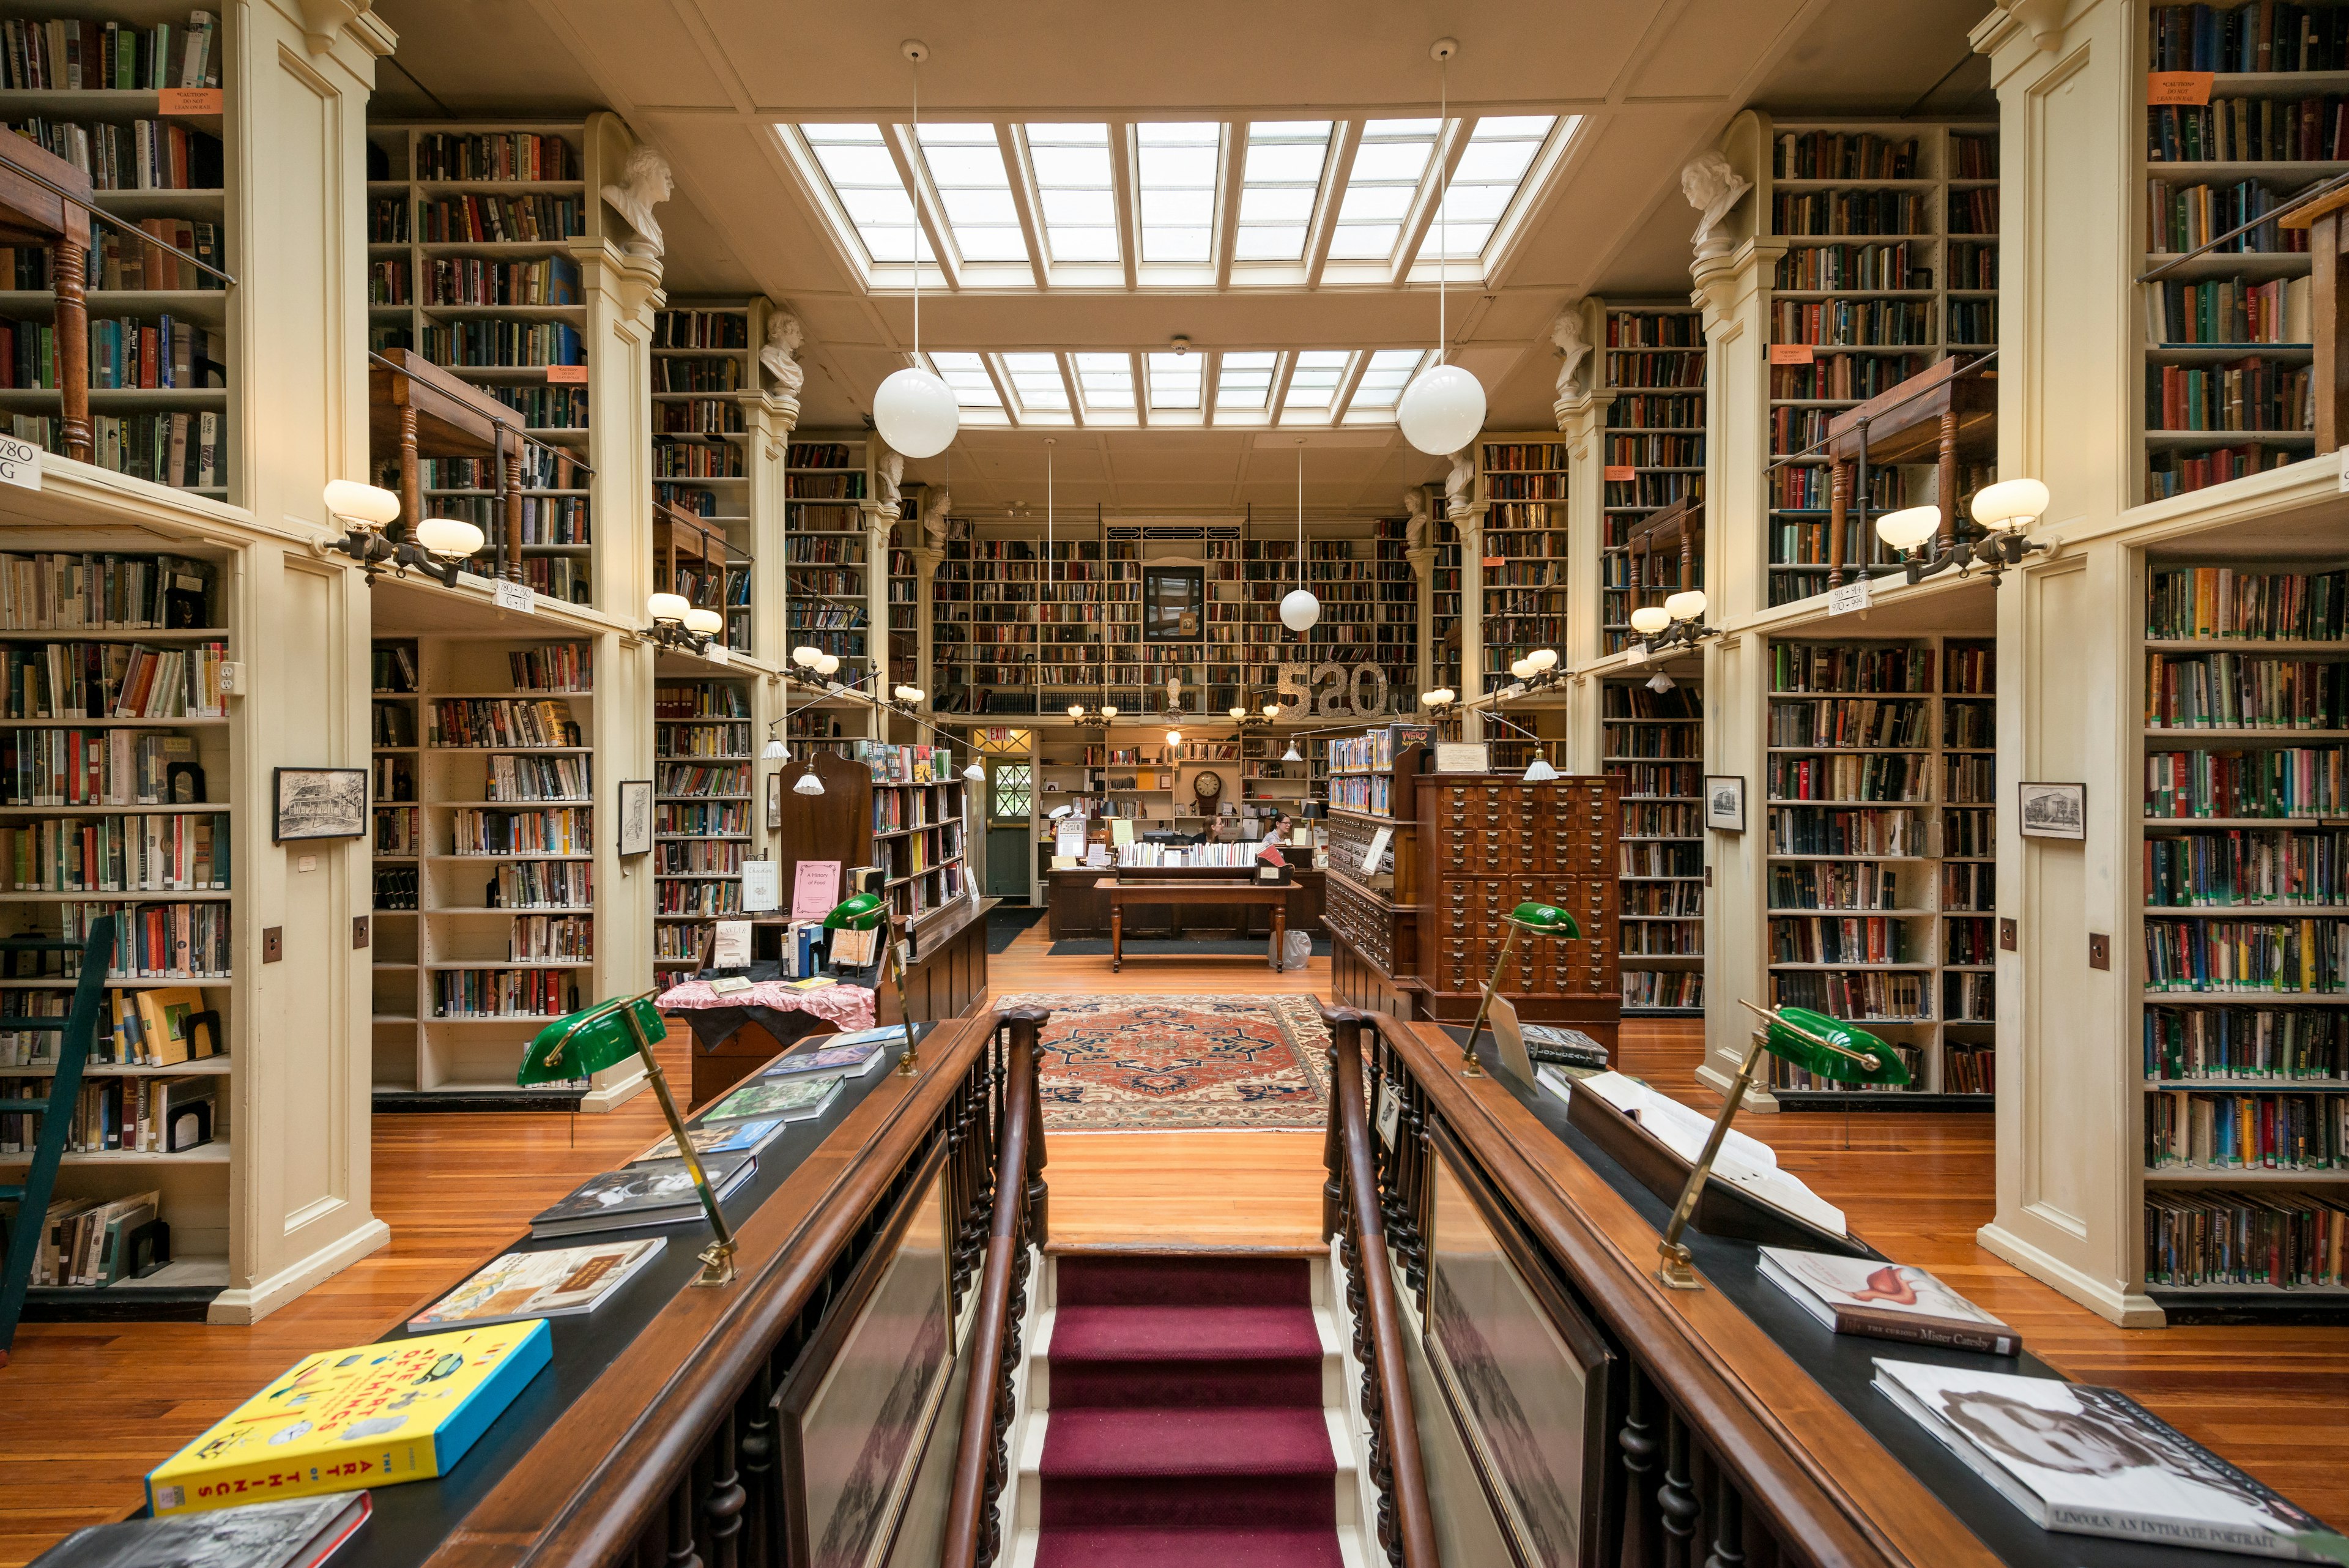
x=1745, y=1163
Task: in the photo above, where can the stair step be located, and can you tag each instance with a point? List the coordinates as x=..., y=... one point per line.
x=1272, y=1469
x=1133, y=1357
x=1203, y=1279
x=1189, y=1548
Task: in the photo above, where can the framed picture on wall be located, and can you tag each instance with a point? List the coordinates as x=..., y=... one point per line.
x=636, y=817
x=319, y=803
x=2053, y=811
x=1724, y=802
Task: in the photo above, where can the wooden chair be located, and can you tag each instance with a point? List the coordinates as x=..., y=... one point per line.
x=44, y=201
x=416, y=410
x=2328, y=245
x=680, y=536
x=1941, y=412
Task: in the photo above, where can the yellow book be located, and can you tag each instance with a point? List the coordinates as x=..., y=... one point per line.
x=374, y=1415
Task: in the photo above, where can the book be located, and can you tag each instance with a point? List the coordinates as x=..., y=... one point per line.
x=370, y=1415
x=841, y=1061
x=167, y=1017
x=1743, y=1161
x=1885, y=1300
x=567, y=1281
x=738, y=1138
x=301, y=1533
x=2092, y=1461
x=792, y=1099
x=659, y=1194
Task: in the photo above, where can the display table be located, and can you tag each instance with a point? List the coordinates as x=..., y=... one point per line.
x=1075, y=907
x=1273, y=896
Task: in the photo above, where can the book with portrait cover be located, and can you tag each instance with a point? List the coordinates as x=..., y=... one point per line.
x=2092, y=1461
x=660, y=1193
x=372, y=1414
x=302, y=1532
x=841, y=1057
x=793, y=1099
x=739, y=1137
x=1885, y=1300
x=566, y=1281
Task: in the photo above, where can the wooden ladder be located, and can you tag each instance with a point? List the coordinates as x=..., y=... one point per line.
x=77, y=1029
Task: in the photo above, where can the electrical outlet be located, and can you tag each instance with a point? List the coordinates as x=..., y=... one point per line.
x=273, y=944
x=1708, y=875
x=2007, y=936
x=2100, y=950
x=358, y=930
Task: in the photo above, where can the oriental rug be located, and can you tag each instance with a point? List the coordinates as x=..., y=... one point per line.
x=1183, y=1063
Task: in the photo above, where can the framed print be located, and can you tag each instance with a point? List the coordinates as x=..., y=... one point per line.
x=1724, y=802
x=2053, y=811
x=636, y=817
x=774, y=800
x=1173, y=602
x=320, y=802
x=859, y=1410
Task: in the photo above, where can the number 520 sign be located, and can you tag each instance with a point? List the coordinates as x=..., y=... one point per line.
x=1333, y=690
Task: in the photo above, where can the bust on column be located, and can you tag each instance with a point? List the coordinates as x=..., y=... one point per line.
x=644, y=184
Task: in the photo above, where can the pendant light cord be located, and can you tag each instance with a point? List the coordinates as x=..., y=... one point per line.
x=1300, y=516
x=920, y=233
x=1443, y=218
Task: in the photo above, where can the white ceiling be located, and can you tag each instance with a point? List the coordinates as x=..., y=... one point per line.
x=706, y=80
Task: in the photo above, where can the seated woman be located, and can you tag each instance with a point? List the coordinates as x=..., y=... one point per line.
x=1276, y=838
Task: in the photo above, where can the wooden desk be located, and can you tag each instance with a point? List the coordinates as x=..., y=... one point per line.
x=44, y=201
x=1272, y=895
x=1940, y=415
x=1073, y=909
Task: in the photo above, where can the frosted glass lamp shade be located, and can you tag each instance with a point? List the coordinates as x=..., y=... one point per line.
x=1292, y=755
x=704, y=622
x=774, y=751
x=1237, y=714
x=1109, y=711
x=1076, y=710
x=1174, y=737
x=1523, y=669
x=2011, y=506
x=1650, y=619
x=915, y=413
x=807, y=784
x=1299, y=610
x=1544, y=659
x=1441, y=410
x=448, y=538
x=805, y=657
x=827, y=664
x=906, y=693
x=1442, y=697
x=366, y=507
x=1687, y=605
x=1909, y=527
x=1538, y=771
x=976, y=773
x=667, y=610
x=1272, y=710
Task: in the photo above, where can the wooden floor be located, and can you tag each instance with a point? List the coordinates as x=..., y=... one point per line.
x=85, y=1410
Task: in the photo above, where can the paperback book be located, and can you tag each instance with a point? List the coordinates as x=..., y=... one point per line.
x=1885, y=1300
x=852, y=1061
x=372, y=1414
x=2092, y=1461
x=641, y=1195
x=790, y=1099
x=300, y=1533
x=739, y=1137
x=568, y=1282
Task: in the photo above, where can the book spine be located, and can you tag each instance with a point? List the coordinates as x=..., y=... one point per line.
x=1909, y=1331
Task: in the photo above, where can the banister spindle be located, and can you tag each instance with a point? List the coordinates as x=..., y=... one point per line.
x=1638, y=1442
x=722, y=1504
x=1677, y=1497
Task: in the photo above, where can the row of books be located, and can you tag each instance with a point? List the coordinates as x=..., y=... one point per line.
x=698, y=820
x=1847, y=939
x=94, y=1242
x=2180, y=218
x=2198, y=1238
x=677, y=740
x=123, y=262
x=162, y=354
x=2259, y=1043
x=1833, y=886
x=184, y=451
x=144, y=155
x=1889, y=996
x=550, y=830
x=60, y=591
x=504, y=344
x=1858, y=831
x=93, y=767
x=503, y=993
x=1832, y=668
x=689, y=375
x=700, y=700
x=479, y=219
x=1843, y=377
x=567, y=939
x=475, y=723
x=691, y=857
x=2180, y=473
x=904, y=764
x=81, y=54
x=703, y=330
x=1843, y=155
x=697, y=416
x=519, y=155
x=2244, y=691
x=2184, y=602
x=1849, y=213
x=2266, y=781
x=160, y=853
x=2286, y=957
x=2258, y=35
x=2254, y=867
x=157, y=941
x=682, y=780
x=674, y=897
x=1856, y=722
x=1876, y=777
x=114, y=680
x=2229, y=310
x=1654, y=371
x=1663, y=988
x=2251, y=393
x=2249, y=131
x=672, y=460
x=148, y=1114
x=161, y=1026
x=542, y=885
x=1670, y=900
x=1840, y=322
x=2198, y=1130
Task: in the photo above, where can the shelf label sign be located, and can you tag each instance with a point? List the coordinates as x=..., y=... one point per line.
x=20, y=463
x=717, y=653
x=2345, y=471
x=188, y=100
x=1371, y=856
x=1636, y=654
x=567, y=375
x=1621, y=473
x=1852, y=597
x=2177, y=89
x=1790, y=354
x=512, y=596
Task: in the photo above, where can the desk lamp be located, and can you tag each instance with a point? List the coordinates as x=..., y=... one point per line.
x=1825, y=1047
x=609, y=1033
x=1534, y=920
x=865, y=912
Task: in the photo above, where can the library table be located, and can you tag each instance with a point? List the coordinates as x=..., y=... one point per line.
x=1272, y=895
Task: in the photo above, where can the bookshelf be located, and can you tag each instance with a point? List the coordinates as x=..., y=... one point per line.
x=1521, y=482
x=2228, y=352
x=96, y=839
x=1881, y=856
x=470, y=263
x=498, y=928
x=703, y=813
x=1446, y=602
x=1655, y=749
x=162, y=361
x=1653, y=457
x=2244, y=1051
x=901, y=808
x=828, y=598
x=1891, y=264
x=704, y=362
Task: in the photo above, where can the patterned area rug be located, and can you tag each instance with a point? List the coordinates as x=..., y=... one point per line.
x=1183, y=1063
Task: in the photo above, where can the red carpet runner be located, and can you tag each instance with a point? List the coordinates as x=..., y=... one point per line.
x=1185, y=1424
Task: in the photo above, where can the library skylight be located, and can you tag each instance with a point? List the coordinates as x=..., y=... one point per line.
x=1238, y=389
x=1176, y=204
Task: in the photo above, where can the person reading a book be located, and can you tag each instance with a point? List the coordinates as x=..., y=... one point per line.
x=1276, y=838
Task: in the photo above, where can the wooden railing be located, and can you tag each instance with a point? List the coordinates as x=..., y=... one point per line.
x=983, y=1463
x=1353, y=1210
x=45, y=201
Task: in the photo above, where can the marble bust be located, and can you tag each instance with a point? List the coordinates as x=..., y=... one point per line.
x=644, y=182
x=934, y=517
x=1713, y=188
x=1415, y=529
x=1567, y=333
x=780, y=355
x=1457, y=482
x=890, y=477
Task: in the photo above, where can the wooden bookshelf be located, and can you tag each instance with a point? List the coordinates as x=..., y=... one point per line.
x=1891, y=265
x=704, y=746
x=1653, y=457
x=2245, y=909
x=705, y=363
x=2228, y=360
x=139, y=297
x=1881, y=856
x=1521, y=482
x=828, y=595
x=900, y=808
x=1447, y=602
x=1654, y=752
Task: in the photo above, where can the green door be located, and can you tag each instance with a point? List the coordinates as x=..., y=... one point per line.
x=1009, y=853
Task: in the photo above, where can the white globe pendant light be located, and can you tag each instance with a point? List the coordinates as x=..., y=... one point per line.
x=914, y=412
x=1443, y=408
x=1301, y=611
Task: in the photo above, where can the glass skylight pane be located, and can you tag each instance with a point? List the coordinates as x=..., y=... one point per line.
x=1279, y=183
x=1364, y=242
x=1107, y=379
x=1036, y=378
x=1175, y=380
x=1491, y=169
x=1388, y=167
x=864, y=177
x=1071, y=165
x=1177, y=188
x=966, y=164
x=1313, y=384
x=1243, y=382
x=966, y=374
x=1389, y=372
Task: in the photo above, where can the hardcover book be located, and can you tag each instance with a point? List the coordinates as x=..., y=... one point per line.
x=841, y=1061
x=565, y=1282
x=739, y=1137
x=656, y=1194
x=792, y=1099
x=373, y=1414
x=2092, y=1461
x=1885, y=1300
x=299, y=1534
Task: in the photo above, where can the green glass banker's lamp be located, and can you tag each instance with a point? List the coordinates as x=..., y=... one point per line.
x=1826, y=1048
x=609, y=1033
x=1534, y=920
x=865, y=912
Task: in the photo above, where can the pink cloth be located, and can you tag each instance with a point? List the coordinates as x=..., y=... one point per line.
x=848, y=1006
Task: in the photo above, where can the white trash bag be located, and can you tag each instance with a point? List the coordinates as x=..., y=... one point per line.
x=1298, y=948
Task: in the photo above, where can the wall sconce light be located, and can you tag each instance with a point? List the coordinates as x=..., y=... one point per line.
x=907, y=698
x=1536, y=670
x=2002, y=513
x=437, y=547
x=1678, y=622
x=678, y=625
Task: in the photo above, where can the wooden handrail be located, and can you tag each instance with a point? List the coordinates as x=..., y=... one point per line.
x=982, y=1462
x=44, y=201
x=1406, y=1526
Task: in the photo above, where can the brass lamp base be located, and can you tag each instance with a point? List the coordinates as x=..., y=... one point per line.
x=1674, y=1269
x=717, y=1265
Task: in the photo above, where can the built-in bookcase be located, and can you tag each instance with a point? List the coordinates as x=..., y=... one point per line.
x=162, y=360
x=1880, y=847
x=828, y=599
x=1654, y=743
x=704, y=364
x=703, y=748
x=114, y=800
x=1890, y=264
x=1521, y=481
x=2228, y=335
x=469, y=264
x=1446, y=603
x=2245, y=943
x=1654, y=451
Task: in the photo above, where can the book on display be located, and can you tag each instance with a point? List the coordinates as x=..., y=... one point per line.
x=302, y=1532
x=790, y=1099
x=1885, y=1300
x=841, y=1061
x=567, y=1281
x=658, y=1194
x=741, y=1138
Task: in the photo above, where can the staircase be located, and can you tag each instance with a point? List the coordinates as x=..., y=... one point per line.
x=1184, y=1409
